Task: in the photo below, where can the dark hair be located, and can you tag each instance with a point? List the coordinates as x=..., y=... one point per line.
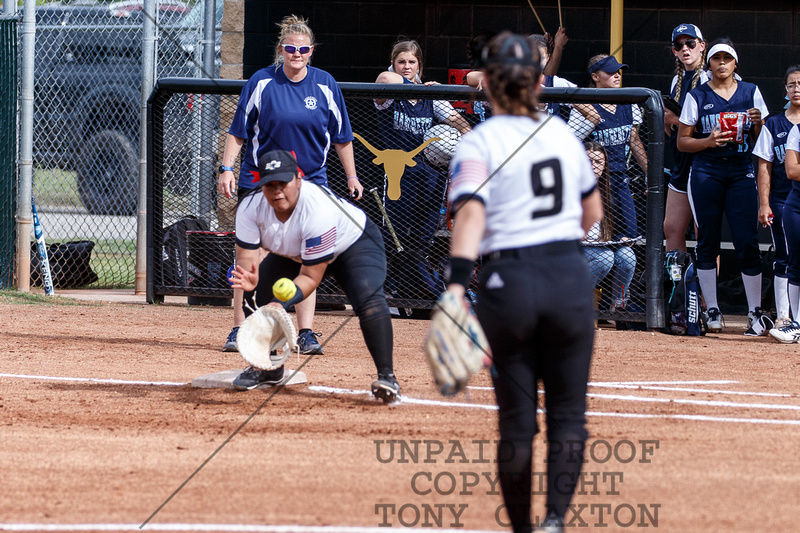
x=513, y=69
x=721, y=40
x=604, y=186
x=476, y=45
x=540, y=41
x=789, y=71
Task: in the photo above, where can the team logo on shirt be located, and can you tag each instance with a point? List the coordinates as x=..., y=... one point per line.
x=311, y=102
x=781, y=135
x=708, y=106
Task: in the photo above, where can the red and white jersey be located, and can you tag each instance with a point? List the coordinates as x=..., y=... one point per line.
x=531, y=176
x=321, y=227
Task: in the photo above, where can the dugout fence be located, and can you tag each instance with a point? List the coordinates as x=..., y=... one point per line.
x=190, y=227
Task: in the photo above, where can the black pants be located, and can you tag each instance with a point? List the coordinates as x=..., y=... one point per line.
x=360, y=271
x=538, y=316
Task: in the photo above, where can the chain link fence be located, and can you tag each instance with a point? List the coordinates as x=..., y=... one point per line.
x=190, y=239
x=8, y=147
x=87, y=102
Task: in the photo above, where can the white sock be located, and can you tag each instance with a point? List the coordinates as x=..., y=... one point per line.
x=708, y=286
x=781, y=286
x=752, y=290
x=794, y=299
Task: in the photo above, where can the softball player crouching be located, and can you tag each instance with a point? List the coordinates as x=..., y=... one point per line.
x=309, y=231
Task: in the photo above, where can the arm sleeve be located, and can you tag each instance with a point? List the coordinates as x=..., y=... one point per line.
x=793, y=140
x=758, y=101
x=689, y=111
x=339, y=126
x=442, y=109
x=764, y=145
x=248, y=235
x=239, y=123
x=580, y=126
x=470, y=173
x=637, y=114
x=319, y=239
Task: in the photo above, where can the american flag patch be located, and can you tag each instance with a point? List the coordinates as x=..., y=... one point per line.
x=470, y=172
x=323, y=243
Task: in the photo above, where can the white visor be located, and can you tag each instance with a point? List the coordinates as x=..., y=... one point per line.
x=722, y=47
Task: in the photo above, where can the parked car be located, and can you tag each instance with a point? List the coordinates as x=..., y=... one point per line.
x=87, y=93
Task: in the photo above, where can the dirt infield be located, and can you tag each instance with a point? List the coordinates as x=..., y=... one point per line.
x=687, y=434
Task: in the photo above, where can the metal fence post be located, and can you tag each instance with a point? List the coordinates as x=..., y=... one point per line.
x=24, y=217
x=8, y=148
x=148, y=80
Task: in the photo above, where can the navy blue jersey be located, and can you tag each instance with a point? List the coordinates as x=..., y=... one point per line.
x=771, y=146
x=403, y=124
x=305, y=117
x=703, y=106
x=682, y=161
x=613, y=132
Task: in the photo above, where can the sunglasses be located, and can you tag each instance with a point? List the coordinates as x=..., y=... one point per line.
x=678, y=45
x=290, y=48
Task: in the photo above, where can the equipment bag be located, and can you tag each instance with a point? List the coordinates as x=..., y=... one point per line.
x=175, y=250
x=683, y=305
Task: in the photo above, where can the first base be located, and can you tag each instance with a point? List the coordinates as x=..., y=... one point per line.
x=224, y=380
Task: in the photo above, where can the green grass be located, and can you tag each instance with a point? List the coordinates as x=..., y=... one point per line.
x=114, y=261
x=56, y=187
x=29, y=298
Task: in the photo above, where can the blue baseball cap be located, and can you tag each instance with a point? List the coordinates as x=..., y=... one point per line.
x=608, y=65
x=687, y=29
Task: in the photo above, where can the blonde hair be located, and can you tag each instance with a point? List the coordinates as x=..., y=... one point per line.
x=292, y=25
x=680, y=69
x=408, y=46
x=592, y=61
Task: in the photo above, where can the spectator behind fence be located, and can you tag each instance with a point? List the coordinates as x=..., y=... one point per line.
x=605, y=255
x=774, y=187
x=295, y=107
x=615, y=127
x=552, y=62
x=722, y=179
x=689, y=49
x=415, y=214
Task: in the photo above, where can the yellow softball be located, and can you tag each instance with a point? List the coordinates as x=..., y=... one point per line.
x=284, y=289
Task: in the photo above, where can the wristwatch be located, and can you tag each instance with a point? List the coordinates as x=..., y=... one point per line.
x=223, y=168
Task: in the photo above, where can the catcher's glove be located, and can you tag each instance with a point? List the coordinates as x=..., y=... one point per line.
x=455, y=345
x=267, y=337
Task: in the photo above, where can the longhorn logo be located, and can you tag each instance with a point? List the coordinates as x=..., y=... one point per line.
x=394, y=163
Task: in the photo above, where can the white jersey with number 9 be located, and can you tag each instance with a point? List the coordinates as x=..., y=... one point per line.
x=531, y=176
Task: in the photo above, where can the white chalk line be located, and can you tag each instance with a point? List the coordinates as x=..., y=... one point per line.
x=621, y=385
x=216, y=527
x=96, y=380
x=711, y=403
x=492, y=407
x=489, y=407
